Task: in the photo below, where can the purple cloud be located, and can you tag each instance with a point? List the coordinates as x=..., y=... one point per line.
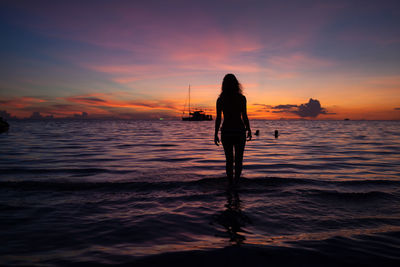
x=311, y=109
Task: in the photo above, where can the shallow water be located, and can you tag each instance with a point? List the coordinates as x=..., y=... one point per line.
x=116, y=191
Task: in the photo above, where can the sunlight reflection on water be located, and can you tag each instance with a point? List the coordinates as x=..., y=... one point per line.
x=308, y=149
x=146, y=187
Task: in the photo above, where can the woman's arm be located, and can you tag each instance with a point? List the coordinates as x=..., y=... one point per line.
x=217, y=121
x=246, y=119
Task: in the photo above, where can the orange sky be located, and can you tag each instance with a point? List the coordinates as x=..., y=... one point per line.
x=136, y=61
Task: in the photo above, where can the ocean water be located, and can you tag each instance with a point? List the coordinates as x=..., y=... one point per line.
x=154, y=192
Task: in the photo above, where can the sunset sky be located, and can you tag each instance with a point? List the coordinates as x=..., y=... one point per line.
x=136, y=59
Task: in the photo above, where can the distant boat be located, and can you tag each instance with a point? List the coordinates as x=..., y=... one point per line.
x=4, y=126
x=196, y=115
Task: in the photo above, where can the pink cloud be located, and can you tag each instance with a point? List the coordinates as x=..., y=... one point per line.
x=101, y=100
x=298, y=60
x=209, y=47
x=162, y=43
x=124, y=73
x=122, y=69
x=97, y=105
x=182, y=37
x=130, y=25
x=20, y=102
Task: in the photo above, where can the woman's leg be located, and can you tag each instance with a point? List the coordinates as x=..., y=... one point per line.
x=228, y=148
x=239, y=150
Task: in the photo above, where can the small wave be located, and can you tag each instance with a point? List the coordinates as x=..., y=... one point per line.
x=341, y=195
x=319, y=167
x=108, y=186
x=366, y=252
x=77, y=186
x=117, y=186
x=82, y=171
x=369, y=182
x=5, y=207
x=217, y=182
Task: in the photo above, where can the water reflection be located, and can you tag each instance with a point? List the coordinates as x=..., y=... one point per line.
x=233, y=219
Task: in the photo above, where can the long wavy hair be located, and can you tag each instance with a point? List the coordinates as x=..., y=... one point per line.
x=230, y=86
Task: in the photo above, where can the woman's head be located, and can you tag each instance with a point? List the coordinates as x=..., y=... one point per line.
x=230, y=85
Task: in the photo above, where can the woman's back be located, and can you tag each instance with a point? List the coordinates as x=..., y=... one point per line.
x=232, y=107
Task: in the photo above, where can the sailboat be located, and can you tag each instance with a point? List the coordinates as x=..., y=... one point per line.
x=196, y=115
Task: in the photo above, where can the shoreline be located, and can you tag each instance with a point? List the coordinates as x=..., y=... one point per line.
x=336, y=251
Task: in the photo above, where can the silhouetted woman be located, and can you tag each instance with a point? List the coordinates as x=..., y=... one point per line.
x=232, y=103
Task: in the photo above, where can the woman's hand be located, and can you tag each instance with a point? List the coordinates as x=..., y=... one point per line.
x=249, y=135
x=216, y=140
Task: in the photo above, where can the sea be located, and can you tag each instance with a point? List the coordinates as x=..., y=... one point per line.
x=154, y=193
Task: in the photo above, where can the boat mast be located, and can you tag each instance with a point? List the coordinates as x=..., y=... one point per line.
x=189, y=100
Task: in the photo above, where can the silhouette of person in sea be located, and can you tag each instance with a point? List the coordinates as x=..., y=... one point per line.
x=232, y=103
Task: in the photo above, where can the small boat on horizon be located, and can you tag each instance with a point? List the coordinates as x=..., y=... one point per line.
x=196, y=115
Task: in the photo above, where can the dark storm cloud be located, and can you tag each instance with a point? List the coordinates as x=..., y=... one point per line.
x=87, y=100
x=280, y=111
x=284, y=107
x=311, y=109
x=263, y=105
